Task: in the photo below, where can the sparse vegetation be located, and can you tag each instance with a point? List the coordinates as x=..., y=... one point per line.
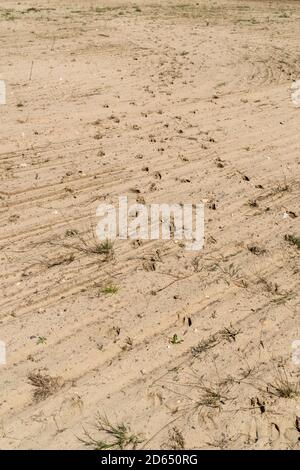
x=118, y=436
x=60, y=260
x=210, y=397
x=293, y=240
x=91, y=246
x=44, y=385
x=175, y=339
x=205, y=345
x=41, y=340
x=8, y=14
x=103, y=248
x=256, y=250
x=269, y=286
x=109, y=289
x=229, y=334
x=169, y=103
x=282, y=386
x=232, y=274
x=202, y=396
x=279, y=296
x=176, y=440
x=71, y=233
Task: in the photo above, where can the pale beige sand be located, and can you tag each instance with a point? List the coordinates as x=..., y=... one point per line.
x=99, y=102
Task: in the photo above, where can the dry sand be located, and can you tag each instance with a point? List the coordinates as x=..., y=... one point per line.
x=164, y=102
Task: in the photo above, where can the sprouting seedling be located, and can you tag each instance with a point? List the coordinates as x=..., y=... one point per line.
x=109, y=289
x=41, y=340
x=175, y=339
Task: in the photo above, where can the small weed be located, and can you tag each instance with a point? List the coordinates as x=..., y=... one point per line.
x=210, y=397
x=92, y=246
x=119, y=436
x=293, y=240
x=176, y=440
x=256, y=250
x=282, y=387
x=102, y=248
x=71, y=233
x=229, y=334
x=233, y=273
x=109, y=289
x=270, y=287
x=204, y=345
x=175, y=339
x=281, y=296
x=128, y=344
x=41, y=340
x=281, y=188
x=149, y=265
x=252, y=203
x=66, y=259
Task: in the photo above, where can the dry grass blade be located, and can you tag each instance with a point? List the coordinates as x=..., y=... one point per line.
x=204, y=345
x=90, y=246
x=176, y=440
x=283, y=387
x=45, y=385
x=102, y=248
x=210, y=397
x=229, y=334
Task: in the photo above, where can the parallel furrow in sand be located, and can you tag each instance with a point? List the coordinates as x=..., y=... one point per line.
x=110, y=366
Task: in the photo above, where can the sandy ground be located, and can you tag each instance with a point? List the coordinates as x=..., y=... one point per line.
x=177, y=102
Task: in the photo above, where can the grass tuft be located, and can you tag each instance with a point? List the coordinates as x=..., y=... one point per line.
x=109, y=289
x=118, y=436
x=283, y=387
x=45, y=385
